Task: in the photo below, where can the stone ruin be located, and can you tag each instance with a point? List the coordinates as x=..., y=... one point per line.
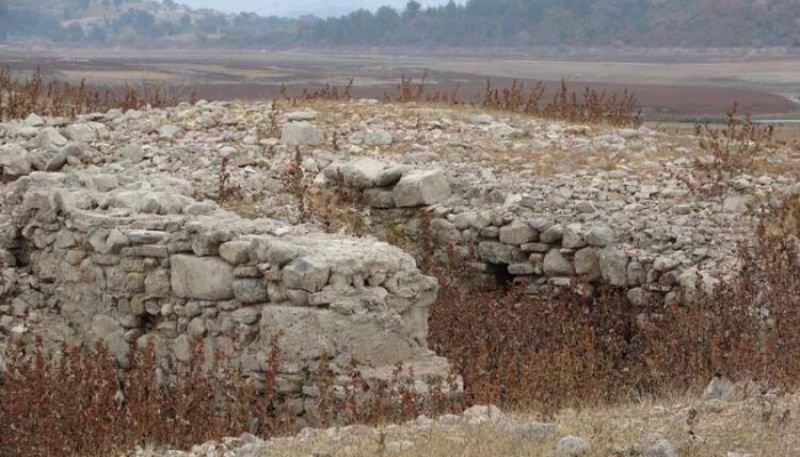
x=108, y=231
x=104, y=257
x=534, y=245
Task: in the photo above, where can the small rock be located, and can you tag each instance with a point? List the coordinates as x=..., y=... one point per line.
x=573, y=237
x=60, y=160
x=572, y=446
x=250, y=290
x=169, y=132
x=247, y=316
x=600, y=236
x=307, y=274
x=131, y=152
x=235, y=252
x=483, y=413
x=482, y=119
x=662, y=448
x=720, y=388
x=33, y=120
x=534, y=431
x=735, y=204
x=555, y=264
x=396, y=447
x=372, y=137
x=145, y=236
x=553, y=234
x=305, y=115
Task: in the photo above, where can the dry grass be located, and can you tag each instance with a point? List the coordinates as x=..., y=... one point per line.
x=568, y=350
x=588, y=107
x=20, y=97
x=622, y=430
x=77, y=403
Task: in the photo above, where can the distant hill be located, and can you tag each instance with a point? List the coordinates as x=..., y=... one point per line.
x=681, y=23
x=136, y=22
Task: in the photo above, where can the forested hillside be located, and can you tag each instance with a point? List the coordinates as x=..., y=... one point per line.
x=689, y=23
x=579, y=22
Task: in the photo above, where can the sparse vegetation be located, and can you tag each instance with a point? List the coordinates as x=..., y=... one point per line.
x=733, y=149
x=521, y=352
x=591, y=107
x=76, y=402
x=507, y=345
x=225, y=189
x=296, y=183
x=20, y=97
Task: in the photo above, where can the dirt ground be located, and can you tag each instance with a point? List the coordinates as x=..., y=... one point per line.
x=667, y=89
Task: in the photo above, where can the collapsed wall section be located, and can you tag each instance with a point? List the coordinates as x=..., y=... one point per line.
x=533, y=240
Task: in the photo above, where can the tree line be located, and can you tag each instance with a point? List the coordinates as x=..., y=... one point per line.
x=570, y=22
x=680, y=23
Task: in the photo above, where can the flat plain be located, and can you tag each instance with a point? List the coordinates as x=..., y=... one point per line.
x=669, y=86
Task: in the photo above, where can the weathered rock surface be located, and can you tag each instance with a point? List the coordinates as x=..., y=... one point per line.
x=201, y=278
x=115, y=258
x=301, y=134
x=421, y=188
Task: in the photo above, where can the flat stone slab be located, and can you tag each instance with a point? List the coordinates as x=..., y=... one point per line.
x=201, y=278
x=421, y=188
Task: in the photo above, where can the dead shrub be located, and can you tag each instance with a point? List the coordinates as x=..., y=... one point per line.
x=76, y=403
x=545, y=353
x=733, y=149
x=20, y=97
x=591, y=107
x=296, y=183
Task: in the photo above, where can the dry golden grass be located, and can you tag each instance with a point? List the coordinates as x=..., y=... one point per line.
x=750, y=425
x=675, y=142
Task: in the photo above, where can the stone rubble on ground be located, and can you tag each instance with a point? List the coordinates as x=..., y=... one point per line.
x=403, y=437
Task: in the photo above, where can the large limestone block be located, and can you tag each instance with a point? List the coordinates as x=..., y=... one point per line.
x=81, y=133
x=201, y=278
x=614, y=265
x=517, y=233
x=306, y=274
x=366, y=173
x=372, y=137
x=301, y=134
x=421, y=188
x=374, y=339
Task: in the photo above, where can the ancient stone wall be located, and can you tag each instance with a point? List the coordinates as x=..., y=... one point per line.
x=103, y=257
x=543, y=249
x=125, y=246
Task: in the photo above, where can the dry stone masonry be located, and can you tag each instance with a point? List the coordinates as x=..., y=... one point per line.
x=109, y=230
x=108, y=257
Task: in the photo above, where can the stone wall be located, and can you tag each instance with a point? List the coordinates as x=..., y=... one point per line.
x=543, y=250
x=105, y=257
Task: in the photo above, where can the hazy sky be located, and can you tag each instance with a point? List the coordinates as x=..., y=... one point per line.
x=299, y=7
